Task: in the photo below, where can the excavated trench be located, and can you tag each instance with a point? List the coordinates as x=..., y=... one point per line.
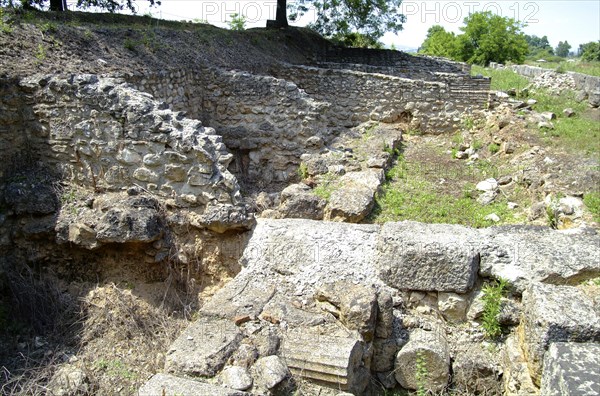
x=125, y=215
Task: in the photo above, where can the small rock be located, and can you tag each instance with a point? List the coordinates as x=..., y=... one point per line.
x=569, y=112
x=512, y=205
x=270, y=371
x=453, y=306
x=537, y=211
x=240, y=320
x=493, y=217
x=502, y=95
x=236, y=377
x=548, y=115
x=504, y=180
x=545, y=125
x=509, y=147
x=531, y=102
x=487, y=185
x=68, y=380
x=487, y=197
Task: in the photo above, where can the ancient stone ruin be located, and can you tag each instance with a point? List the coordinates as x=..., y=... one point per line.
x=178, y=163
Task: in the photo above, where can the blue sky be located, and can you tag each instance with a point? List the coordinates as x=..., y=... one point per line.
x=577, y=21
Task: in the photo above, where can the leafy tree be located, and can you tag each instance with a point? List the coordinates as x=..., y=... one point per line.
x=237, y=22
x=370, y=18
x=491, y=38
x=357, y=40
x=61, y=5
x=538, y=44
x=439, y=42
x=590, y=51
x=563, y=48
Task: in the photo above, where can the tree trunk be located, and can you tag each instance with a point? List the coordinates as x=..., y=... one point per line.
x=58, y=5
x=281, y=15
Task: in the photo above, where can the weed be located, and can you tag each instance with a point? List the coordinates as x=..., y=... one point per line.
x=421, y=374
x=458, y=139
x=87, y=34
x=130, y=44
x=115, y=368
x=492, y=303
x=477, y=144
x=40, y=54
x=468, y=122
x=326, y=187
x=303, y=171
x=48, y=27
x=493, y=148
x=5, y=23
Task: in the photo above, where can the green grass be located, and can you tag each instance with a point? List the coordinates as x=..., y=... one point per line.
x=502, y=80
x=327, y=185
x=592, y=201
x=408, y=195
x=580, y=133
x=591, y=68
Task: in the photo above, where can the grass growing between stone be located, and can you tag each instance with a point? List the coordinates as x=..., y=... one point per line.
x=492, y=304
x=580, y=133
x=412, y=193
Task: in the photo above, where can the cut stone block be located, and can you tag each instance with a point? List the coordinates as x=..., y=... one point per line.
x=571, y=369
x=204, y=347
x=516, y=378
x=165, y=384
x=333, y=361
x=555, y=314
x=427, y=257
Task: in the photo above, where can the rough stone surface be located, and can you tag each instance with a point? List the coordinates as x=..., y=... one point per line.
x=431, y=349
x=336, y=361
x=428, y=257
x=571, y=369
x=203, y=348
x=236, y=377
x=270, y=371
x=68, y=380
x=476, y=371
x=297, y=201
x=525, y=254
x=165, y=384
x=453, y=306
x=555, y=314
x=356, y=198
x=516, y=378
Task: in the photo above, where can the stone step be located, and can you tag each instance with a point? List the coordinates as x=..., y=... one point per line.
x=166, y=384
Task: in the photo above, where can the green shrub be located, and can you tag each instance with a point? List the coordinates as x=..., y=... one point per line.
x=494, y=148
x=492, y=303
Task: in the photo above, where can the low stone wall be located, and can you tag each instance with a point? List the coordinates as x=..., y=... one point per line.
x=355, y=97
x=102, y=133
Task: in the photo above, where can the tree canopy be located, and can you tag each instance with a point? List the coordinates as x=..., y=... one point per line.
x=61, y=5
x=590, y=51
x=538, y=44
x=563, y=48
x=369, y=18
x=486, y=38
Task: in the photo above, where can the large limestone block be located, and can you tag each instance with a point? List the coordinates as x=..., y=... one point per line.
x=525, y=254
x=335, y=361
x=571, y=369
x=204, y=347
x=300, y=255
x=429, y=350
x=555, y=314
x=165, y=384
x=427, y=257
x=355, y=199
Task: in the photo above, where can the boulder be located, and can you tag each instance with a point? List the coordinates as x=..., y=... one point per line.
x=424, y=360
x=127, y=223
x=298, y=201
x=569, y=112
x=355, y=199
x=487, y=185
x=165, y=384
x=203, y=348
x=487, y=197
x=222, y=217
x=555, y=314
x=571, y=369
x=427, y=257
